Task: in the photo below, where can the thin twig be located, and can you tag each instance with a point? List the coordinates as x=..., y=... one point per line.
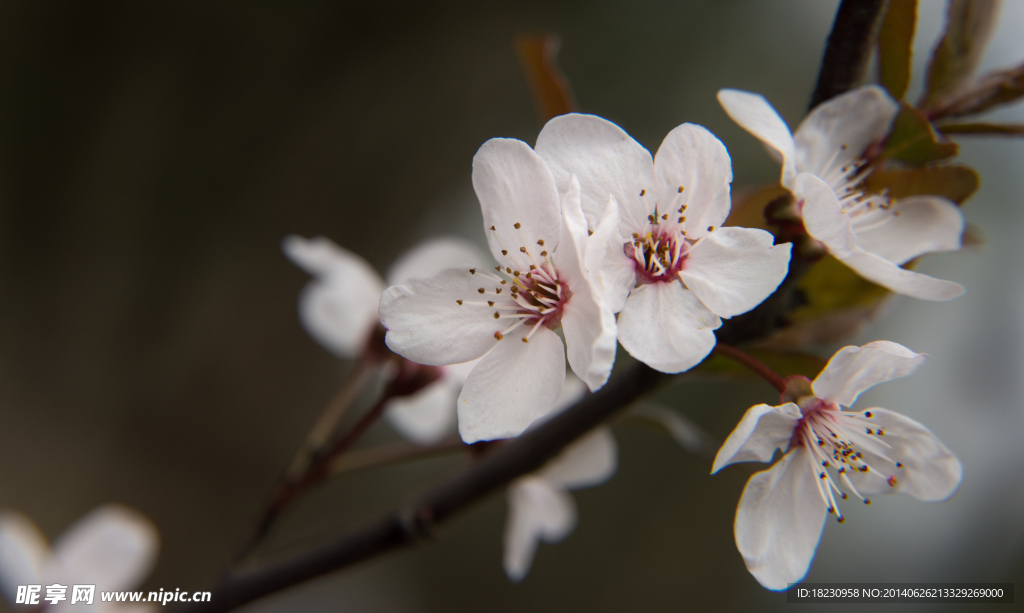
x=755, y=365
x=396, y=453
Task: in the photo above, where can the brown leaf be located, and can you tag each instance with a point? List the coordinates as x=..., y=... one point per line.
x=983, y=129
x=991, y=90
x=551, y=91
x=954, y=182
x=895, y=39
x=968, y=27
x=914, y=141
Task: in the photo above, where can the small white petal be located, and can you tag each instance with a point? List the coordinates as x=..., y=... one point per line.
x=606, y=159
x=432, y=256
x=667, y=327
x=426, y=416
x=917, y=225
x=688, y=434
x=823, y=215
x=589, y=461
x=338, y=308
x=930, y=471
x=879, y=270
x=693, y=159
x=732, y=270
x=512, y=386
x=112, y=547
x=24, y=553
x=426, y=325
x=515, y=186
x=852, y=370
x=838, y=131
x=755, y=115
x=779, y=521
x=572, y=391
x=762, y=430
x=612, y=272
x=537, y=511
x=587, y=321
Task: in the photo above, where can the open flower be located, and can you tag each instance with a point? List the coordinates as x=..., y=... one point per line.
x=539, y=505
x=661, y=257
x=828, y=452
x=823, y=166
x=507, y=314
x=112, y=548
x=338, y=308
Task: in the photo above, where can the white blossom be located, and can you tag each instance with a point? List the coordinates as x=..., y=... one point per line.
x=661, y=258
x=822, y=166
x=112, y=547
x=338, y=308
x=506, y=314
x=828, y=452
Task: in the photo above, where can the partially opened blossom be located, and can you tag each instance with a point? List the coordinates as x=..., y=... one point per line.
x=338, y=308
x=662, y=257
x=829, y=453
x=539, y=505
x=507, y=314
x=113, y=548
x=823, y=166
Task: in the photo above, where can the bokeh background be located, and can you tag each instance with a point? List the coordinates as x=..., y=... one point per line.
x=153, y=155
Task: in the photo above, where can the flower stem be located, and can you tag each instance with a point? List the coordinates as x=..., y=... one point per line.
x=755, y=365
x=397, y=453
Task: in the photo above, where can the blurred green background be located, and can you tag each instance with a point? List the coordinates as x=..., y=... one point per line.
x=153, y=155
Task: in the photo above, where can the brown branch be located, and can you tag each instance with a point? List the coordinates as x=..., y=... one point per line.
x=848, y=49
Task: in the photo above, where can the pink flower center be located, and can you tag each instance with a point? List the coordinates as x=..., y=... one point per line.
x=658, y=255
x=832, y=438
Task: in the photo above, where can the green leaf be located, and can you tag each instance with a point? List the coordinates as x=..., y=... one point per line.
x=968, y=27
x=983, y=129
x=914, y=141
x=954, y=182
x=551, y=91
x=895, y=41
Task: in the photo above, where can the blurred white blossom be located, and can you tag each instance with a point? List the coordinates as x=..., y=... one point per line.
x=112, y=547
x=507, y=314
x=822, y=166
x=782, y=511
x=661, y=256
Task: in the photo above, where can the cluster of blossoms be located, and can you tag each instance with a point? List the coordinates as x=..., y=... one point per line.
x=591, y=235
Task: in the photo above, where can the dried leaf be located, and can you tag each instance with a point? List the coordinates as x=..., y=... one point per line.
x=991, y=90
x=551, y=91
x=895, y=41
x=968, y=27
x=954, y=182
x=983, y=129
x=914, y=141
x=974, y=238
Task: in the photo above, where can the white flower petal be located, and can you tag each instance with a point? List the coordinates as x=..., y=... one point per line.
x=755, y=115
x=917, y=225
x=459, y=372
x=587, y=321
x=512, y=386
x=338, y=308
x=732, y=270
x=692, y=168
x=667, y=327
x=761, y=431
x=432, y=256
x=838, y=131
x=515, y=186
x=537, y=511
x=24, y=553
x=426, y=416
x=612, y=272
x=589, y=461
x=929, y=472
x=572, y=391
x=606, y=159
x=879, y=270
x=823, y=215
x=779, y=521
x=112, y=547
x=852, y=370
x=426, y=325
